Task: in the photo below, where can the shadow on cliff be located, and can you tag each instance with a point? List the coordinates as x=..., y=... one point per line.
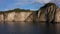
x=50, y=12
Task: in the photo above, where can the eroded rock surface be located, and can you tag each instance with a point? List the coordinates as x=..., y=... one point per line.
x=50, y=12
x=17, y=16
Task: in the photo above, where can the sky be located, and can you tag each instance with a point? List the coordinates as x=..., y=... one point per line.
x=25, y=4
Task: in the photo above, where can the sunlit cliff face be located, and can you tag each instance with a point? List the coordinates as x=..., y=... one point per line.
x=57, y=15
x=21, y=16
x=16, y=16
x=1, y=17
x=10, y=16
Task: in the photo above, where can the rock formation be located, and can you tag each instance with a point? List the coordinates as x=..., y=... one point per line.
x=49, y=13
x=17, y=15
x=1, y=17
x=57, y=16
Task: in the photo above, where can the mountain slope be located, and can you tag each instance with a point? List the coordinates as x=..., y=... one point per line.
x=47, y=12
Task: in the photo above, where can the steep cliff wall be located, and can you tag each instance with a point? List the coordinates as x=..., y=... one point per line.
x=9, y=16
x=1, y=17
x=41, y=15
x=57, y=16
x=23, y=16
x=48, y=12
x=17, y=16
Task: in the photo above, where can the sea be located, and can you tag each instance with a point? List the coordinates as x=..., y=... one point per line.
x=29, y=28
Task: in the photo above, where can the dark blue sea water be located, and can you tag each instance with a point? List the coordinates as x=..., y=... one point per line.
x=29, y=28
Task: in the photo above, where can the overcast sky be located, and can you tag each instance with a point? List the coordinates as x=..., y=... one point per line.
x=25, y=4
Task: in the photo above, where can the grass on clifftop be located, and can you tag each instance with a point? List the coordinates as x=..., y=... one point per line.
x=16, y=10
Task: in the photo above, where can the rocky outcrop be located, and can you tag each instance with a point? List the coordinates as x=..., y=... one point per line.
x=17, y=16
x=57, y=16
x=9, y=16
x=1, y=17
x=23, y=16
x=48, y=12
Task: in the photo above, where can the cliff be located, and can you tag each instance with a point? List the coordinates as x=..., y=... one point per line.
x=17, y=15
x=57, y=16
x=49, y=12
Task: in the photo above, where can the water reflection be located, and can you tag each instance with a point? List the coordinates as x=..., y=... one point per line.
x=51, y=29
x=27, y=28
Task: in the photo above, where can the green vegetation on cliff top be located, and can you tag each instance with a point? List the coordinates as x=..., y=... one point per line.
x=22, y=10
x=47, y=5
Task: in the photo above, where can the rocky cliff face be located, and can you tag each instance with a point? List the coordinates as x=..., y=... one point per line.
x=1, y=17
x=23, y=16
x=17, y=16
x=48, y=13
x=57, y=16
x=9, y=16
